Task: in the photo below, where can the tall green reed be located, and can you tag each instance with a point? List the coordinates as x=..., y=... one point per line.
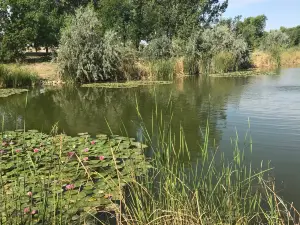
x=213, y=189
x=16, y=77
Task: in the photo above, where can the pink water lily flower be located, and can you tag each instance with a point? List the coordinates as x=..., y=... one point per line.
x=70, y=187
x=86, y=149
x=85, y=159
x=18, y=150
x=101, y=158
x=33, y=212
x=2, y=152
x=29, y=193
x=26, y=210
x=93, y=142
x=71, y=154
x=36, y=150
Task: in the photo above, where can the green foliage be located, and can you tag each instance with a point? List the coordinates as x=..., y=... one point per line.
x=216, y=189
x=164, y=48
x=252, y=29
x=224, y=62
x=159, y=48
x=274, y=42
x=294, y=35
x=86, y=53
x=181, y=18
x=209, y=44
x=144, y=20
x=162, y=69
x=30, y=22
x=16, y=77
x=58, y=179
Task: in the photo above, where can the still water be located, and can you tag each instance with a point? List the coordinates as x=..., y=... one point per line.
x=270, y=105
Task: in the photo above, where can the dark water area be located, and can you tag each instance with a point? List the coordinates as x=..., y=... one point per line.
x=265, y=107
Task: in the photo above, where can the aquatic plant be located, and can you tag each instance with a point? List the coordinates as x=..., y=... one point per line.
x=247, y=73
x=51, y=179
x=129, y=84
x=213, y=188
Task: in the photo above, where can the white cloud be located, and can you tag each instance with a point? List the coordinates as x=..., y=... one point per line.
x=243, y=3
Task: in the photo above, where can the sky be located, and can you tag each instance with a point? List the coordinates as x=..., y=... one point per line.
x=279, y=12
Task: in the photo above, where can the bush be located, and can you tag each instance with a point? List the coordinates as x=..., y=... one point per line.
x=159, y=48
x=274, y=42
x=224, y=62
x=86, y=53
x=164, y=48
x=206, y=46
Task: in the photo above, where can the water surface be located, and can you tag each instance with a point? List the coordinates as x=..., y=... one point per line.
x=270, y=103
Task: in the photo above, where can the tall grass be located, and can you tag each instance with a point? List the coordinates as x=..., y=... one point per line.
x=287, y=58
x=211, y=190
x=14, y=77
x=223, y=62
x=162, y=68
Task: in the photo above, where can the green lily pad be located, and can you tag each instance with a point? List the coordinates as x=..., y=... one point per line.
x=61, y=173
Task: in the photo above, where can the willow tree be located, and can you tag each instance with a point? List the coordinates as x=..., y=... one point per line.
x=274, y=42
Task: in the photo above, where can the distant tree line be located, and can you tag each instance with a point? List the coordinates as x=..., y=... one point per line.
x=193, y=29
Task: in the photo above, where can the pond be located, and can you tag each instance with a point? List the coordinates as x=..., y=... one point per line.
x=270, y=105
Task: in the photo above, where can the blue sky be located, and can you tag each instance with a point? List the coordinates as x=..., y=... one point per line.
x=279, y=12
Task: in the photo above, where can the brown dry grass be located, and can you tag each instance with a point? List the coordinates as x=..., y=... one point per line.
x=45, y=70
x=289, y=58
x=179, y=67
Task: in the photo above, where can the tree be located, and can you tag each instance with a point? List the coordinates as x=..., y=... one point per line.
x=86, y=52
x=293, y=33
x=218, y=44
x=252, y=29
x=28, y=22
x=274, y=42
x=49, y=19
x=18, y=28
x=179, y=18
x=116, y=14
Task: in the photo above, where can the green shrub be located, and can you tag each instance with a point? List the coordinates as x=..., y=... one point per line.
x=163, y=69
x=224, y=62
x=159, y=48
x=274, y=42
x=205, y=46
x=86, y=52
x=164, y=48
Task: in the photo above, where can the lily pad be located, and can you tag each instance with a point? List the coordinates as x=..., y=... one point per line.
x=78, y=174
x=129, y=84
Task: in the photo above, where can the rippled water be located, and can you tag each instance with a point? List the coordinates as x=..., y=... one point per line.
x=270, y=104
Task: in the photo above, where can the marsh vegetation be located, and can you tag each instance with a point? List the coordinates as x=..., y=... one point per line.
x=119, y=59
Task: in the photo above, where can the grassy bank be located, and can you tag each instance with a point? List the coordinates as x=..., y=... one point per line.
x=289, y=58
x=15, y=77
x=167, y=69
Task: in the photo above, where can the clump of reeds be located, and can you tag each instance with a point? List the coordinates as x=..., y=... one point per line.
x=210, y=190
x=15, y=77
